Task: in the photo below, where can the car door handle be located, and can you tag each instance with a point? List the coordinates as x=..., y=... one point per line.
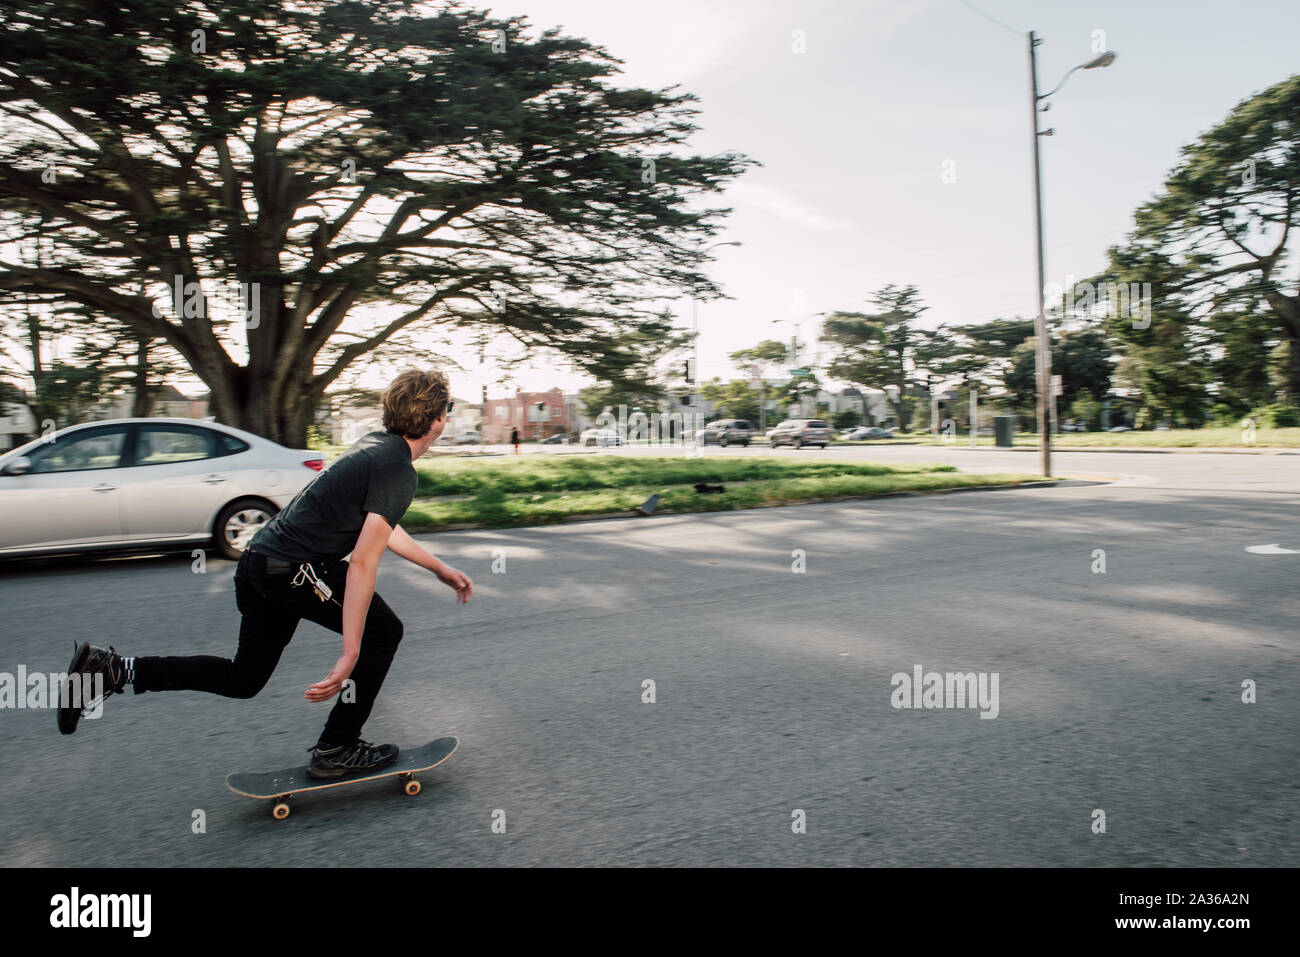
x=104, y=487
x=214, y=479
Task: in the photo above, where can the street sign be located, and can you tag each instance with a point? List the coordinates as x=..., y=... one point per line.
x=1056, y=386
x=799, y=372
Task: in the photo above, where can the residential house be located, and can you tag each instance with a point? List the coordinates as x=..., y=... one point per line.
x=17, y=424
x=537, y=415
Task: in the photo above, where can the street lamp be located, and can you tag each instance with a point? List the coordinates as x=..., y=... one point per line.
x=695, y=362
x=794, y=343
x=1044, y=352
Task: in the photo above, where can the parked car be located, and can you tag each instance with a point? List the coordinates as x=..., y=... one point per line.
x=127, y=483
x=800, y=432
x=601, y=437
x=726, y=432
x=557, y=439
x=1074, y=427
x=470, y=438
x=1119, y=428
x=864, y=433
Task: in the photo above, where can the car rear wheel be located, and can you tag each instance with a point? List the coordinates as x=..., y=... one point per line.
x=239, y=522
x=798, y=443
x=723, y=443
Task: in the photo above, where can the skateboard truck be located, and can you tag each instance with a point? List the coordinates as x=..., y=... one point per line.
x=280, y=809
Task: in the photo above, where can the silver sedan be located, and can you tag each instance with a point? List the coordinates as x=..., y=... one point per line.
x=126, y=483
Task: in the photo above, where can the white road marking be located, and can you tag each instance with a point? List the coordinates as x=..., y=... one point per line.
x=1271, y=550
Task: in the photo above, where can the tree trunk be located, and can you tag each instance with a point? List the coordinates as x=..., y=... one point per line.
x=1293, y=380
x=1287, y=309
x=140, y=404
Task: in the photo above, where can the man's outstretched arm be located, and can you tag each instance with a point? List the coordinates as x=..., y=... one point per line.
x=400, y=543
x=363, y=568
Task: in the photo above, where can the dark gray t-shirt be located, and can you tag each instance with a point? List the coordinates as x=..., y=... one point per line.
x=323, y=521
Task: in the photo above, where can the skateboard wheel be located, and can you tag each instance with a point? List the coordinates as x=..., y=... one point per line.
x=280, y=811
x=413, y=787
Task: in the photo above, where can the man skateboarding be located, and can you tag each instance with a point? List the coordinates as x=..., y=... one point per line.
x=295, y=568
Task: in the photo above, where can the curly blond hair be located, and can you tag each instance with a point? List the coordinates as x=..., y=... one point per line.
x=414, y=401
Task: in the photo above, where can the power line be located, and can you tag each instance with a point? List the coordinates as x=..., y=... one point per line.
x=993, y=19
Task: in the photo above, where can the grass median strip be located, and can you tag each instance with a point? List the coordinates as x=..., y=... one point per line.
x=613, y=485
x=1169, y=438
x=568, y=473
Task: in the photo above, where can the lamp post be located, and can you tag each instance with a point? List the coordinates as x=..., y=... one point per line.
x=695, y=363
x=794, y=345
x=1043, y=354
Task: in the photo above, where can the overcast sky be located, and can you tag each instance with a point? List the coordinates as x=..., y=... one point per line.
x=855, y=135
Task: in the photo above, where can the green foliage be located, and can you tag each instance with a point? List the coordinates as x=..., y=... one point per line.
x=884, y=348
x=317, y=440
x=848, y=419
x=1085, y=410
x=1211, y=245
x=734, y=399
x=1083, y=361
x=10, y=394
x=1278, y=415
x=626, y=366
x=1247, y=342
x=70, y=394
x=767, y=353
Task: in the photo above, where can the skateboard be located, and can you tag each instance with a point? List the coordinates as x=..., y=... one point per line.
x=281, y=785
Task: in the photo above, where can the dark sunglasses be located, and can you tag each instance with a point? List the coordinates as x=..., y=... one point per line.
x=450, y=406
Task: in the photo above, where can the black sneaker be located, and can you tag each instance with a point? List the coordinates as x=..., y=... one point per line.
x=336, y=761
x=88, y=660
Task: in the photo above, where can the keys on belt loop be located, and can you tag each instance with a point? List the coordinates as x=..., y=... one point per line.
x=307, y=574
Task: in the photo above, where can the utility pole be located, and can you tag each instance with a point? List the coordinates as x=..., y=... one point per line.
x=695, y=377
x=1043, y=353
x=1044, y=350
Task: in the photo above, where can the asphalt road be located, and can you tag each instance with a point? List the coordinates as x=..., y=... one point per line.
x=1118, y=691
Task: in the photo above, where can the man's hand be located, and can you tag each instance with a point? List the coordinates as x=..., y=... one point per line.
x=324, y=690
x=402, y=543
x=457, y=580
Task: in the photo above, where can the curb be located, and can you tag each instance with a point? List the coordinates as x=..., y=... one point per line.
x=1141, y=450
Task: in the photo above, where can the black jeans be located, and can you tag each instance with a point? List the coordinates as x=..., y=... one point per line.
x=272, y=607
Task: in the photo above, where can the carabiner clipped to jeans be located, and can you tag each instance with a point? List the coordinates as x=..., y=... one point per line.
x=308, y=574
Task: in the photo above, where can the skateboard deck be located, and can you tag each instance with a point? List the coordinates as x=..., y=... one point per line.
x=281, y=785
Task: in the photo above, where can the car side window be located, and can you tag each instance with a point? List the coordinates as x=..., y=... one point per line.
x=229, y=445
x=160, y=445
x=97, y=449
